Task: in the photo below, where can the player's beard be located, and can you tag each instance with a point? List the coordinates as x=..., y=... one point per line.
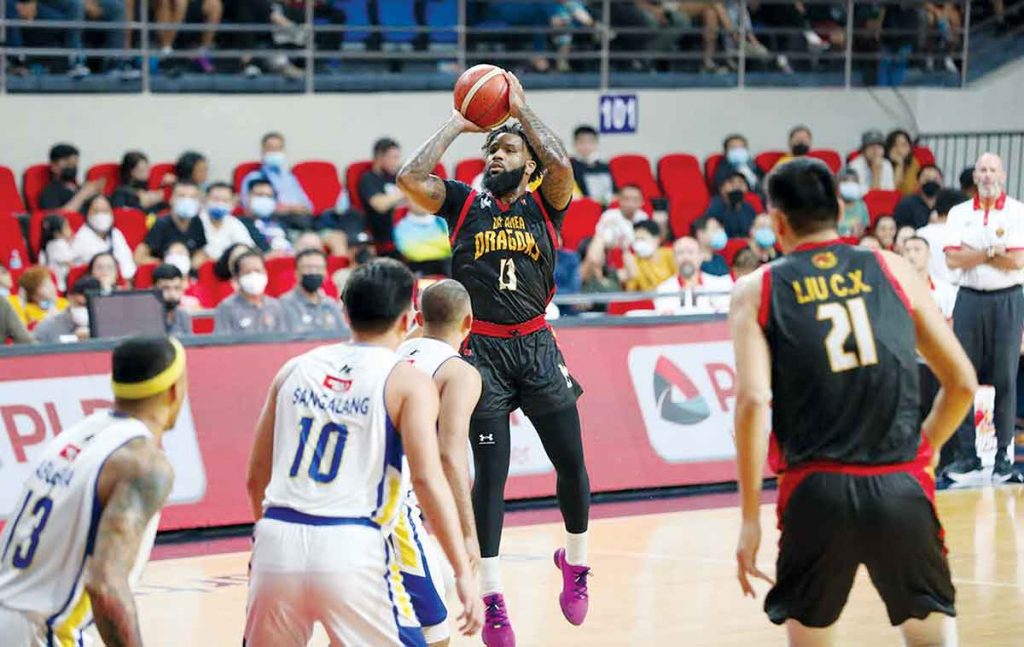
x=501, y=184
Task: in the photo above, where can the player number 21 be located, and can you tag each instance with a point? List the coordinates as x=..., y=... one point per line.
x=507, y=275
x=851, y=315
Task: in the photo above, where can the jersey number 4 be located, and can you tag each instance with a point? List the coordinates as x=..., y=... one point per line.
x=25, y=547
x=331, y=440
x=846, y=317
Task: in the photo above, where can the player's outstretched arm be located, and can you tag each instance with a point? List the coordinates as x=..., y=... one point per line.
x=558, y=183
x=133, y=486
x=261, y=459
x=753, y=398
x=943, y=353
x=412, y=402
x=460, y=390
x=416, y=178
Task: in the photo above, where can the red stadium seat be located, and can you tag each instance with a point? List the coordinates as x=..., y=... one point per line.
x=10, y=200
x=852, y=155
x=467, y=170
x=109, y=171
x=754, y=200
x=335, y=263
x=881, y=203
x=13, y=250
x=766, y=161
x=623, y=307
x=924, y=155
x=440, y=171
x=732, y=248
x=243, y=169
x=76, y=272
x=681, y=214
x=33, y=180
x=829, y=156
x=35, y=226
x=202, y=324
x=580, y=222
x=680, y=175
x=634, y=169
x=212, y=289
x=157, y=173
x=281, y=272
x=144, y=276
x=711, y=167
x=355, y=171
x=320, y=182
x=132, y=223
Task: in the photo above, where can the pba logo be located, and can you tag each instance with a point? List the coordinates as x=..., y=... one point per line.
x=692, y=409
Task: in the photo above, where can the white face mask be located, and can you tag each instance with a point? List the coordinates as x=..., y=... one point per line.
x=180, y=261
x=79, y=315
x=253, y=283
x=644, y=248
x=101, y=222
x=186, y=208
x=58, y=251
x=850, y=191
x=262, y=206
x=275, y=160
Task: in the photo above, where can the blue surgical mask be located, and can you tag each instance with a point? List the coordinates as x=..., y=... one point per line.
x=764, y=237
x=218, y=210
x=737, y=156
x=719, y=240
x=276, y=160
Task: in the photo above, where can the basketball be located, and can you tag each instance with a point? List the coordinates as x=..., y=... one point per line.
x=481, y=95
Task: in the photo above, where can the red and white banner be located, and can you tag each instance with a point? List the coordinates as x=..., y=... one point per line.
x=657, y=411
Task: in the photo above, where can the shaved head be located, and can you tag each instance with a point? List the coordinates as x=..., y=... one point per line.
x=989, y=176
x=444, y=304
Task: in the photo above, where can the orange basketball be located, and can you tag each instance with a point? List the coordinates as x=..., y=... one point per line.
x=481, y=95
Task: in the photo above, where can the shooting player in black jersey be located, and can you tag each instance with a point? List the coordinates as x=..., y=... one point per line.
x=503, y=244
x=824, y=340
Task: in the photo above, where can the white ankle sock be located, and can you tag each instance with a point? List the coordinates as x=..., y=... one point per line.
x=576, y=548
x=490, y=575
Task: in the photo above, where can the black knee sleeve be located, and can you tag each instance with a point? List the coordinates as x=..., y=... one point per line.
x=489, y=438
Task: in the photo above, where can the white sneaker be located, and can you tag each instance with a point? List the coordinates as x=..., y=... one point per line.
x=79, y=71
x=251, y=71
x=950, y=65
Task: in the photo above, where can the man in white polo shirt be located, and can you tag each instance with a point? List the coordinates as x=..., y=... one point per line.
x=986, y=244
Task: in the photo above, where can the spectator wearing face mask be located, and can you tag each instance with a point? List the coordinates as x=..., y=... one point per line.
x=220, y=227
x=593, y=175
x=873, y=169
x=37, y=297
x=55, y=247
x=267, y=231
x=360, y=252
x=648, y=264
x=181, y=226
x=731, y=209
x=100, y=235
x=134, y=191
x=935, y=232
x=249, y=310
x=800, y=142
x=616, y=225
x=701, y=292
x=177, y=255
x=73, y=323
x=422, y=238
x=885, y=231
x=171, y=284
x=291, y=197
x=855, y=219
x=63, y=191
x=916, y=210
x=711, y=237
x=307, y=308
x=762, y=239
x=737, y=160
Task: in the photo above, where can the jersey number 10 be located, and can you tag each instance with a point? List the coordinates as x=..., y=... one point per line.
x=330, y=431
x=851, y=315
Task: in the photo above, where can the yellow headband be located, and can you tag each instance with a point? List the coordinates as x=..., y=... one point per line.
x=156, y=384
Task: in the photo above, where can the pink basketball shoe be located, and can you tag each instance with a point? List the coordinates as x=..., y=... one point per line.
x=574, y=598
x=497, y=630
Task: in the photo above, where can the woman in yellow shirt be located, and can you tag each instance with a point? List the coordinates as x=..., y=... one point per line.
x=900, y=150
x=649, y=265
x=37, y=298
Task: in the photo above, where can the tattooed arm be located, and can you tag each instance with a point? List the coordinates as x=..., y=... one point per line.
x=132, y=488
x=558, y=184
x=416, y=179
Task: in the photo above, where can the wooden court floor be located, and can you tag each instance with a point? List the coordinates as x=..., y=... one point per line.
x=659, y=580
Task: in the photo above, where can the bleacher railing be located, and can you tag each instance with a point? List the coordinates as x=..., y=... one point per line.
x=707, y=43
x=956, y=151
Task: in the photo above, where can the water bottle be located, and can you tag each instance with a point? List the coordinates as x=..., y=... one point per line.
x=15, y=262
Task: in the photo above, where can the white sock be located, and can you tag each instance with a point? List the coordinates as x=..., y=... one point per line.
x=576, y=548
x=490, y=575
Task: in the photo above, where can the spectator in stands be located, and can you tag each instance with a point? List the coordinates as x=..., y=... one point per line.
x=762, y=239
x=885, y=231
x=422, y=239
x=737, y=160
x=918, y=253
x=285, y=32
x=593, y=175
x=378, y=191
x=63, y=191
x=11, y=326
x=616, y=225
x=266, y=229
x=360, y=253
x=103, y=267
x=220, y=228
x=945, y=22
x=856, y=219
x=171, y=283
x=55, y=247
x=693, y=283
x=935, y=231
x=899, y=20
x=182, y=225
x=191, y=167
x=134, y=192
x=222, y=266
x=800, y=142
x=712, y=238
x=899, y=150
x=551, y=15
x=903, y=234
x=99, y=234
x=308, y=240
x=178, y=256
x=249, y=310
x=291, y=197
x=596, y=273
x=916, y=210
x=208, y=12
x=307, y=307
x=730, y=208
x=967, y=185
x=647, y=264
x=873, y=169
x=869, y=241
x=37, y=296
x=744, y=263
x=72, y=324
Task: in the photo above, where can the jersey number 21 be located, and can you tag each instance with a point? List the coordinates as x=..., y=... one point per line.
x=847, y=316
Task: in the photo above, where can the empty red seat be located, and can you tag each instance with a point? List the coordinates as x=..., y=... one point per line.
x=580, y=222
x=680, y=174
x=353, y=173
x=243, y=169
x=320, y=182
x=634, y=169
x=144, y=276
x=829, y=156
x=711, y=165
x=335, y=263
x=35, y=225
x=732, y=247
x=13, y=250
x=202, y=324
x=766, y=160
x=132, y=223
x=10, y=200
x=622, y=307
x=157, y=173
x=681, y=214
x=76, y=272
x=924, y=155
x=467, y=170
x=754, y=200
x=33, y=181
x=109, y=171
x=281, y=275
x=881, y=203
x=212, y=290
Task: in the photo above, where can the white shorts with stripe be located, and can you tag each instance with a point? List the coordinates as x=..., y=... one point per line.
x=422, y=566
x=342, y=576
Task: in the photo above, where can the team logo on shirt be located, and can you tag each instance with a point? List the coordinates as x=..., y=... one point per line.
x=337, y=384
x=824, y=260
x=669, y=379
x=70, y=452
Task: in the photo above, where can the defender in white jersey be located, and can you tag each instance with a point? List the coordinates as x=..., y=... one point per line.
x=326, y=482
x=445, y=317
x=88, y=514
